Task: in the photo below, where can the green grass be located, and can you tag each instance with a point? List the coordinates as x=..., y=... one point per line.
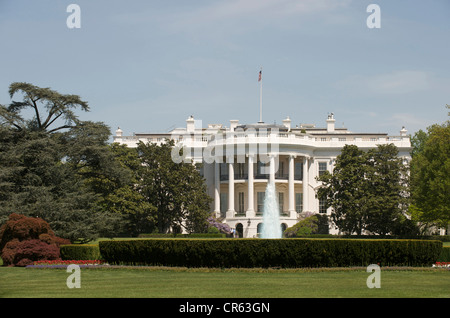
x=204, y=283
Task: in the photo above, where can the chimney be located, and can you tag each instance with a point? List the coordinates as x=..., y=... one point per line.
x=190, y=126
x=287, y=123
x=233, y=124
x=403, y=131
x=330, y=123
x=119, y=132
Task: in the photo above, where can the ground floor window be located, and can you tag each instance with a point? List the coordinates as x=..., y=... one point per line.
x=240, y=230
x=299, y=202
x=322, y=206
x=281, y=201
x=241, y=202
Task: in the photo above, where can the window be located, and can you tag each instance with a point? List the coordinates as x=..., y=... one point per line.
x=223, y=203
x=261, y=169
x=260, y=198
x=241, y=202
x=280, y=201
x=298, y=171
x=223, y=171
x=322, y=206
x=240, y=171
x=299, y=202
x=322, y=168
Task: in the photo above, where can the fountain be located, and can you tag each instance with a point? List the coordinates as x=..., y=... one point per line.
x=271, y=227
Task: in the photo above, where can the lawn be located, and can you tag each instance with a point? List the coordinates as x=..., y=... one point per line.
x=203, y=283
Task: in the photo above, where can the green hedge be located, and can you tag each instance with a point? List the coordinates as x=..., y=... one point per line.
x=445, y=255
x=192, y=235
x=271, y=253
x=80, y=252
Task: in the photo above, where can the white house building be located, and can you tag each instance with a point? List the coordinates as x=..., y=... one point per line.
x=240, y=160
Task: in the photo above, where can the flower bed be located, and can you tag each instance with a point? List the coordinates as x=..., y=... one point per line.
x=442, y=264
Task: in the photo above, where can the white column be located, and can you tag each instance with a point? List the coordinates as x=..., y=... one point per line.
x=251, y=195
x=230, y=212
x=292, y=211
x=217, y=188
x=305, y=184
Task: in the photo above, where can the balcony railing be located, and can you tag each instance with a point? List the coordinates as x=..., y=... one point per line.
x=244, y=176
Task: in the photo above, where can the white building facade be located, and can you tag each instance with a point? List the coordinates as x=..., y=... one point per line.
x=240, y=160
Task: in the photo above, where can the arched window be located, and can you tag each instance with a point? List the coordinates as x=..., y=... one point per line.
x=259, y=229
x=240, y=230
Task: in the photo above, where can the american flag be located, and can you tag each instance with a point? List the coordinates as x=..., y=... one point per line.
x=259, y=77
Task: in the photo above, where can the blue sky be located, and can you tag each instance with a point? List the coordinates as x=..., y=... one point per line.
x=147, y=65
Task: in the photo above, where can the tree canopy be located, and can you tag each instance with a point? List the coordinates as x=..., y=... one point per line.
x=368, y=191
x=430, y=176
x=64, y=170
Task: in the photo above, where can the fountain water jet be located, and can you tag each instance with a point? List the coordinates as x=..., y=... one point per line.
x=271, y=227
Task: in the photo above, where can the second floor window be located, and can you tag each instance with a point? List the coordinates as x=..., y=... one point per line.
x=322, y=168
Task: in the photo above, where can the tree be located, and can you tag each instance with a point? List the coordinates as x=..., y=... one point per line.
x=125, y=198
x=388, y=190
x=176, y=190
x=58, y=107
x=345, y=190
x=430, y=177
x=57, y=171
x=368, y=191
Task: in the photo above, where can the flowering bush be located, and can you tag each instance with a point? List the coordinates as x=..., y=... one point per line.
x=442, y=264
x=222, y=227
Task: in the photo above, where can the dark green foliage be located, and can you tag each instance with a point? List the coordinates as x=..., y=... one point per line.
x=177, y=191
x=80, y=252
x=271, y=253
x=57, y=167
x=445, y=254
x=314, y=224
x=368, y=191
x=430, y=176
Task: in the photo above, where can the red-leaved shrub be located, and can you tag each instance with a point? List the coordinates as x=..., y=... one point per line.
x=24, y=240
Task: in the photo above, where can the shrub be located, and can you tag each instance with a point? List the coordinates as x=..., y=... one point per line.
x=445, y=255
x=26, y=252
x=80, y=252
x=26, y=239
x=312, y=224
x=271, y=253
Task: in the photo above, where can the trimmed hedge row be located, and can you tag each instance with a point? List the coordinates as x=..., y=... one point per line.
x=291, y=253
x=442, y=238
x=192, y=235
x=80, y=252
x=445, y=254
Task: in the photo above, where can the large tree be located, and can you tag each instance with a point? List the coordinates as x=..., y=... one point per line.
x=345, y=190
x=48, y=107
x=387, y=192
x=368, y=191
x=47, y=163
x=176, y=190
x=430, y=177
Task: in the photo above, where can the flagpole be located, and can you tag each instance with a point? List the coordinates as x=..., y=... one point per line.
x=260, y=96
